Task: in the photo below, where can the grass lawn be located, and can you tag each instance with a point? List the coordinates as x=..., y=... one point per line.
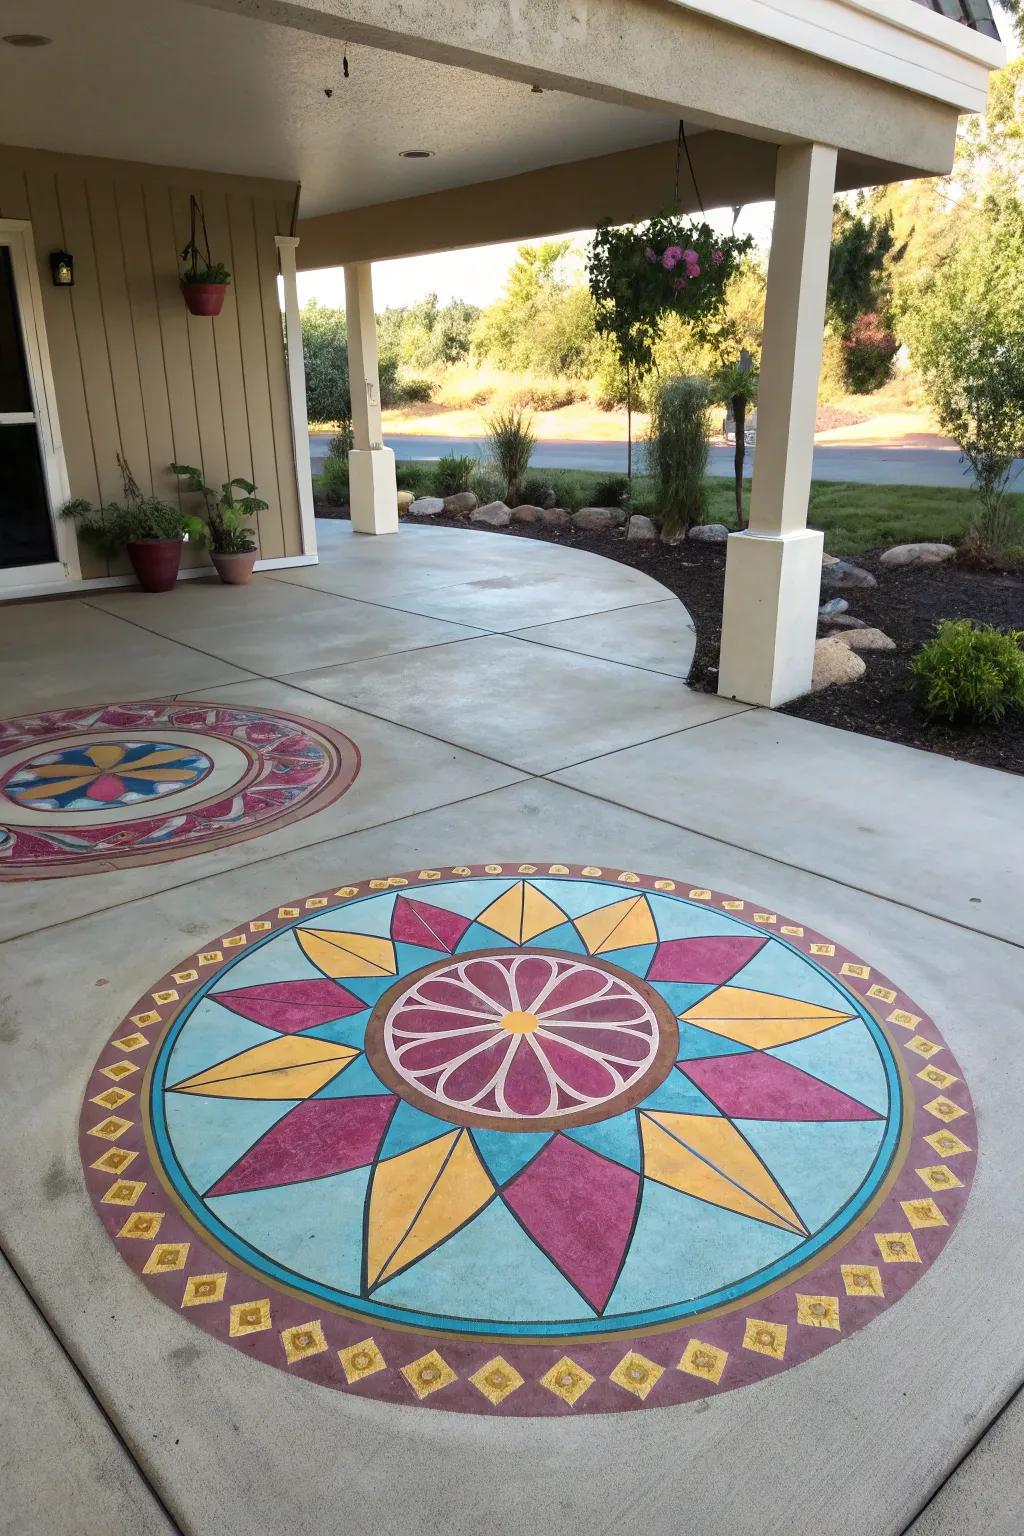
x=854, y=518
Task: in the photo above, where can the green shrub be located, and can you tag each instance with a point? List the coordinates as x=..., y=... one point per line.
x=611, y=492
x=551, y=396
x=511, y=440
x=414, y=391
x=341, y=443
x=537, y=492
x=970, y=674
x=418, y=478
x=868, y=353
x=571, y=491
x=486, y=484
x=453, y=473
x=334, y=481
x=677, y=451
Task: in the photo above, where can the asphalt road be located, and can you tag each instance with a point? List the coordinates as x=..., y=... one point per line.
x=866, y=465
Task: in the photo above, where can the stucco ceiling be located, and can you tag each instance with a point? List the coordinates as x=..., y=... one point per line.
x=180, y=85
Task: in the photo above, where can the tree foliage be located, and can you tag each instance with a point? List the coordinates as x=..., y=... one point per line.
x=544, y=321
x=862, y=243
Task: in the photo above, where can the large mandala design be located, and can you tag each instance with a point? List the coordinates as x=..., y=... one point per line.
x=528, y=1139
x=88, y=789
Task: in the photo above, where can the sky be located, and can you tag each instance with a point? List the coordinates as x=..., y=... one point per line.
x=477, y=275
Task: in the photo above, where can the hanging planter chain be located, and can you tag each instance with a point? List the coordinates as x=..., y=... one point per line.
x=682, y=145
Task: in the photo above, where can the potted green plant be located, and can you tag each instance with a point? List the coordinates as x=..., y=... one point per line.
x=232, y=544
x=204, y=281
x=150, y=530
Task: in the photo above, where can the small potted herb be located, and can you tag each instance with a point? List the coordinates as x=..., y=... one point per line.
x=150, y=530
x=232, y=544
x=204, y=281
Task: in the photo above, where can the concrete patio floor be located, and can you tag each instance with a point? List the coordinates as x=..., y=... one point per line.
x=511, y=700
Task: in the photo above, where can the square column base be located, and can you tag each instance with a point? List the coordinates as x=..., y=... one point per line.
x=770, y=616
x=373, y=490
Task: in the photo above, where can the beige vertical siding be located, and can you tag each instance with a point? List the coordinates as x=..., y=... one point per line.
x=134, y=372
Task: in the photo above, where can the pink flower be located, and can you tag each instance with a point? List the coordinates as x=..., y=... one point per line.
x=672, y=257
x=649, y=253
x=692, y=263
x=717, y=257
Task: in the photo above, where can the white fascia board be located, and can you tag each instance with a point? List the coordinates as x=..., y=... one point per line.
x=894, y=40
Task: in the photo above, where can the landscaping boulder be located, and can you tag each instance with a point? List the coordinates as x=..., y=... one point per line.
x=834, y=662
x=918, y=554
x=829, y=559
x=426, y=506
x=460, y=503
x=843, y=574
x=832, y=610
x=866, y=640
x=555, y=517
x=405, y=501
x=527, y=514
x=640, y=527
x=494, y=515
x=709, y=533
x=599, y=519
x=846, y=621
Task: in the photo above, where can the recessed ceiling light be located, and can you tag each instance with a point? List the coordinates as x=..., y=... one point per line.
x=415, y=154
x=27, y=39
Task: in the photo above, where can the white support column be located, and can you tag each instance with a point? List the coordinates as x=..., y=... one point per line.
x=372, y=488
x=297, y=395
x=773, y=570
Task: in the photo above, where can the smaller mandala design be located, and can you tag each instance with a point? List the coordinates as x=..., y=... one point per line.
x=104, y=775
x=93, y=788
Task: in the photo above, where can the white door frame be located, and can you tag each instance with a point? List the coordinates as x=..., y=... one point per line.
x=16, y=234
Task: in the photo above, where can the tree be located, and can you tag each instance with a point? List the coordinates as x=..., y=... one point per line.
x=967, y=340
x=325, y=354
x=735, y=385
x=544, y=322
x=1015, y=10
x=857, y=268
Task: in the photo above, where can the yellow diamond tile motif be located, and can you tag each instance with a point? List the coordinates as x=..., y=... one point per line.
x=567, y=1380
x=792, y=931
x=862, y=972
x=923, y=1047
x=185, y=976
x=944, y=1109
x=818, y=1311
x=303, y=1340
x=638, y=1375
x=114, y=1160
x=130, y=1042
x=360, y=1360
x=166, y=1258
x=939, y=1177
x=201, y=1290
x=428, y=1374
x=112, y=1098
x=937, y=1077
x=169, y=996
x=497, y=1380
x=946, y=1144
x=119, y=1069
x=143, y=1224
x=923, y=1213
x=883, y=994
x=142, y=1019
x=704, y=1360
x=897, y=1247
x=124, y=1192
x=823, y=949
x=766, y=1338
x=903, y=1019
x=249, y=1317
x=862, y=1279
x=111, y=1128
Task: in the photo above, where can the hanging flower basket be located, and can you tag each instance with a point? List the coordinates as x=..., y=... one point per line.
x=204, y=281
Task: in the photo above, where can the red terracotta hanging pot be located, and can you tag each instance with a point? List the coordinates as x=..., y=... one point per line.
x=204, y=298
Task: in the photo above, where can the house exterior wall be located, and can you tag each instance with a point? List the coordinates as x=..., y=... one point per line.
x=133, y=371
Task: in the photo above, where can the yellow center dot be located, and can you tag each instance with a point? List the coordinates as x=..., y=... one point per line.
x=520, y=1023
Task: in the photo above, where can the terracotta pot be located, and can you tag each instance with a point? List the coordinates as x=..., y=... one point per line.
x=235, y=570
x=204, y=298
x=155, y=562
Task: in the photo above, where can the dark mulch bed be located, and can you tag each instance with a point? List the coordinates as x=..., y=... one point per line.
x=907, y=604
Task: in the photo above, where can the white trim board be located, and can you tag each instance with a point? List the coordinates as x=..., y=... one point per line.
x=894, y=40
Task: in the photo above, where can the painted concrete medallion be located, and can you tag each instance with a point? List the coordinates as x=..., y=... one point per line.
x=527, y=1139
x=88, y=789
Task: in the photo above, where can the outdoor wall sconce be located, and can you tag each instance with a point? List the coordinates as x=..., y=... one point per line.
x=62, y=269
